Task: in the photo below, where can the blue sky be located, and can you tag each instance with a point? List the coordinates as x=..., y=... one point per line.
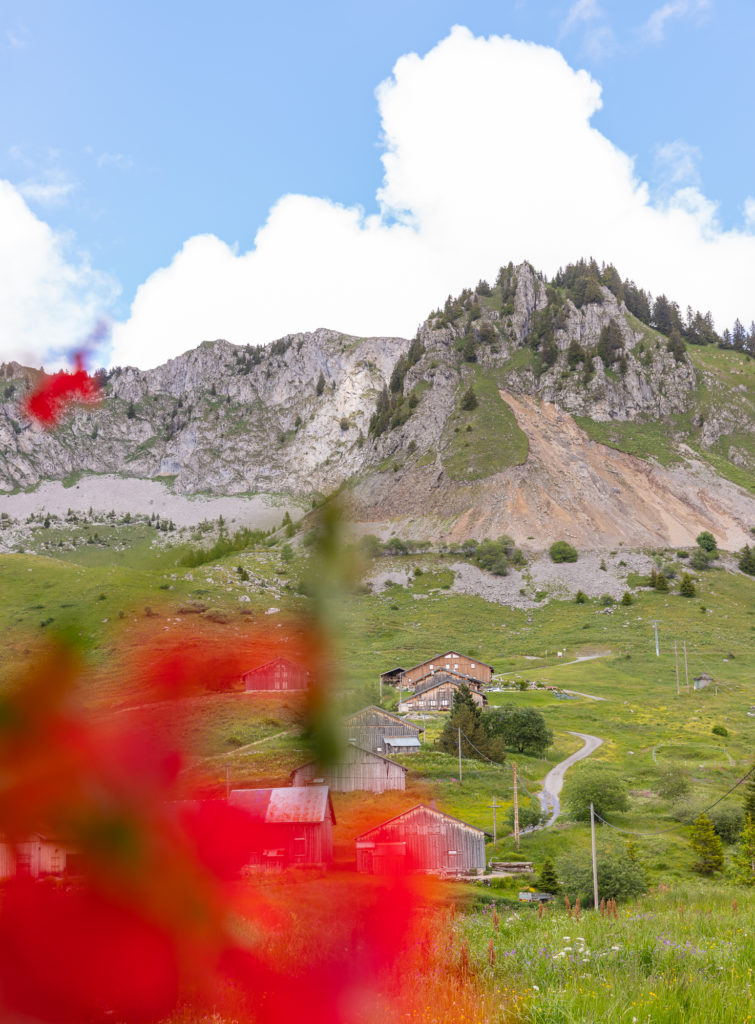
x=130, y=128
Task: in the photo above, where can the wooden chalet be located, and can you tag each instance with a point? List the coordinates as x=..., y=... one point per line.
x=297, y=825
x=422, y=840
x=372, y=727
x=392, y=677
x=356, y=769
x=451, y=661
x=437, y=694
x=473, y=684
x=278, y=674
x=38, y=856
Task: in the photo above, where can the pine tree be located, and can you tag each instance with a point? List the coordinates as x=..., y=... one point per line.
x=320, y=384
x=652, y=577
x=661, y=583
x=744, y=859
x=547, y=880
x=707, y=845
x=750, y=796
x=469, y=399
x=469, y=352
x=626, y=598
x=747, y=560
x=687, y=587
x=467, y=717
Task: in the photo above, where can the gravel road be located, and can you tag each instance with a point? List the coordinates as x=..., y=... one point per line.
x=554, y=780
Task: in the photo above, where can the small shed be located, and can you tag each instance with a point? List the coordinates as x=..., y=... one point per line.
x=38, y=856
x=372, y=726
x=437, y=694
x=401, y=744
x=297, y=825
x=422, y=840
x=356, y=769
x=451, y=661
x=392, y=677
x=702, y=681
x=278, y=674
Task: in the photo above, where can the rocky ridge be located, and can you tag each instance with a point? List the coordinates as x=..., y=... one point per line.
x=298, y=416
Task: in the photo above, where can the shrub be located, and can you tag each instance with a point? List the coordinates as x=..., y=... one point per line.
x=626, y=598
x=672, y=783
x=700, y=559
x=720, y=730
x=606, y=600
x=728, y=822
x=562, y=551
x=529, y=817
x=580, y=597
x=619, y=878
x=707, y=542
x=606, y=790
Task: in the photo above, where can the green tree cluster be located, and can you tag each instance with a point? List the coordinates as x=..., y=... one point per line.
x=520, y=728
x=475, y=740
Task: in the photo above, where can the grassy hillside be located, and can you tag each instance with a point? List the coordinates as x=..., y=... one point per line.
x=485, y=440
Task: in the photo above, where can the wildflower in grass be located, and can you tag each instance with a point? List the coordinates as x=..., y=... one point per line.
x=491, y=953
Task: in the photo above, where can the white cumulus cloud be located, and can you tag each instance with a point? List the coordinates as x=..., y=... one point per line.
x=489, y=156
x=462, y=193
x=49, y=298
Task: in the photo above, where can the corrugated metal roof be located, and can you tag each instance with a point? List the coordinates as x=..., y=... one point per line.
x=352, y=719
x=296, y=804
x=402, y=741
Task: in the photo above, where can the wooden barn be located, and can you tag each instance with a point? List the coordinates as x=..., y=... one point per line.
x=356, y=769
x=37, y=857
x=451, y=661
x=391, y=678
x=372, y=726
x=437, y=694
x=278, y=674
x=297, y=825
x=423, y=840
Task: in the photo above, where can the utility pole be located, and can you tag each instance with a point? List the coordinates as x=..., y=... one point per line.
x=460, y=754
x=594, y=859
x=381, y=687
x=424, y=728
x=227, y=782
x=516, y=807
x=655, y=627
x=495, y=830
x=676, y=662
x=686, y=673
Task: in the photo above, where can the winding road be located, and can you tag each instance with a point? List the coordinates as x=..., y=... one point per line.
x=554, y=780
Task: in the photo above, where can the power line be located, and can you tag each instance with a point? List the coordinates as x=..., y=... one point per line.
x=499, y=765
x=675, y=828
